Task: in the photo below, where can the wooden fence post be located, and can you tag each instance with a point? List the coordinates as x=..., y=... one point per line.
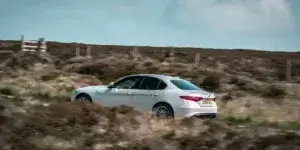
x=77, y=51
x=88, y=51
x=162, y=54
x=197, y=58
x=43, y=45
x=172, y=54
x=22, y=42
x=134, y=53
x=288, y=69
x=39, y=44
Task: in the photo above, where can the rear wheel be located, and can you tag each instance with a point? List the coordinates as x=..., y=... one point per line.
x=83, y=98
x=163, y=111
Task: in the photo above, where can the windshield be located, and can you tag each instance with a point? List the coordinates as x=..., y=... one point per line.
x=184, y=85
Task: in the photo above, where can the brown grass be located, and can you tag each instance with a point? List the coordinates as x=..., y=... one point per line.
x=274, y=92
x=251, y=95
x=86, y=126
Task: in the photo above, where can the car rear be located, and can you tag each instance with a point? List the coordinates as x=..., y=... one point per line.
x=198, y=105
x=195, y=101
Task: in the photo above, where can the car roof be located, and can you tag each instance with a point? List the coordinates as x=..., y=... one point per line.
x=160, y=76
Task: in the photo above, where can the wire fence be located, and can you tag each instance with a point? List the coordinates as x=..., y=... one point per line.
x=286, y=65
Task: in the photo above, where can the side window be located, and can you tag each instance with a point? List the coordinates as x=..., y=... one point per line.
x=127, y=83
x=184, y=84
x=138, y=83
x=162, y=85
x=150, y=83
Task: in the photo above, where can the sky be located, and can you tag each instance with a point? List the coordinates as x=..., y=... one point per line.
x=247, y=24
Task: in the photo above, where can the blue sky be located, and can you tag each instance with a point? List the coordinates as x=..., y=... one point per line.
x=254, y=24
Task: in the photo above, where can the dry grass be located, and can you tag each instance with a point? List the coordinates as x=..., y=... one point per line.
x=274, y=92
x=244, y=96
x=49, y=86
x=86, y=126
x=256, y=108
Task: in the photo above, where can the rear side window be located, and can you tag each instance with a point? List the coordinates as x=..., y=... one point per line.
x=151, y=83
x=184, y=85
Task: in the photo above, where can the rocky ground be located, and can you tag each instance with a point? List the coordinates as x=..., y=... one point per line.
x=258, y=109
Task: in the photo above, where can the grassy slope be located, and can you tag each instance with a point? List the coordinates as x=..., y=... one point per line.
x=257, y=108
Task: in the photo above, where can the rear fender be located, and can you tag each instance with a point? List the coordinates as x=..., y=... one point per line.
x=162, y=101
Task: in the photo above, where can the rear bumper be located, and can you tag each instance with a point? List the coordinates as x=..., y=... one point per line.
x=198, y=112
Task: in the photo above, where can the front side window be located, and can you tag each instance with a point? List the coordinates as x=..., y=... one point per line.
x=127, y=83
x=184, y=85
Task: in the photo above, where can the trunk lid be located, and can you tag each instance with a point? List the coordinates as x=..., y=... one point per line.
x=208, y=99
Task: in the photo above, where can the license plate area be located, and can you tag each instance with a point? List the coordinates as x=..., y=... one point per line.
x=207, y=101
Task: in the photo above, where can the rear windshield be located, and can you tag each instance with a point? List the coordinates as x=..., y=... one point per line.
x=184, y=85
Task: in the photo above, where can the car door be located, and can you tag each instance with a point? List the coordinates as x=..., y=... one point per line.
x=150, y=91
x=119, y=93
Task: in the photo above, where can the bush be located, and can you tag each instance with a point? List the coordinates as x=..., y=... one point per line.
x=274, y=92
x=237, y=81
x=148, y=64
x=238, y=120
x=7, y=90
x=51, y=96
x=211, y=83
x=285, y=125
x=227, y=97
x=50, y=76
x=93, y=69
x=234, y=80
x=281, y=76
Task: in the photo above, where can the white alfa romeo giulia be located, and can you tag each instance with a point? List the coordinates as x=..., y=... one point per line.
x=164, y=96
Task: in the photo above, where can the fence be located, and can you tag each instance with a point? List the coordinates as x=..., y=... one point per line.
x=33, y=45
x=288, y=73
x=135, y=53
x=87, y=52
x=171, y=54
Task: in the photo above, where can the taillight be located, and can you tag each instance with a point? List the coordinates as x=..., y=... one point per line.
x=191, y=98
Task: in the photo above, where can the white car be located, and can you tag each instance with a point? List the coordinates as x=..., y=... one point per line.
x=164, y=96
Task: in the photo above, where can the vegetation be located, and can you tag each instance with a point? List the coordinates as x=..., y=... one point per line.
x=274, y=91
x=34, y=101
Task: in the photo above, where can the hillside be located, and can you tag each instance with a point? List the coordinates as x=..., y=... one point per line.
x=258, y=108
x=261, y=65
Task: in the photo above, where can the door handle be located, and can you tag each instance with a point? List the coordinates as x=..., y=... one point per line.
x=155, y=94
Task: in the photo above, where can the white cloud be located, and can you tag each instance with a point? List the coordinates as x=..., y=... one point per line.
x=239, y=15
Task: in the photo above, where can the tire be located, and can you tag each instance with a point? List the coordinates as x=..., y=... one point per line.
x=83, y=98
x=163, y=111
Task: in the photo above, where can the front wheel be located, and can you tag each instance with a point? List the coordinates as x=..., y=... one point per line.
x=163, y=111
x=83, y=98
